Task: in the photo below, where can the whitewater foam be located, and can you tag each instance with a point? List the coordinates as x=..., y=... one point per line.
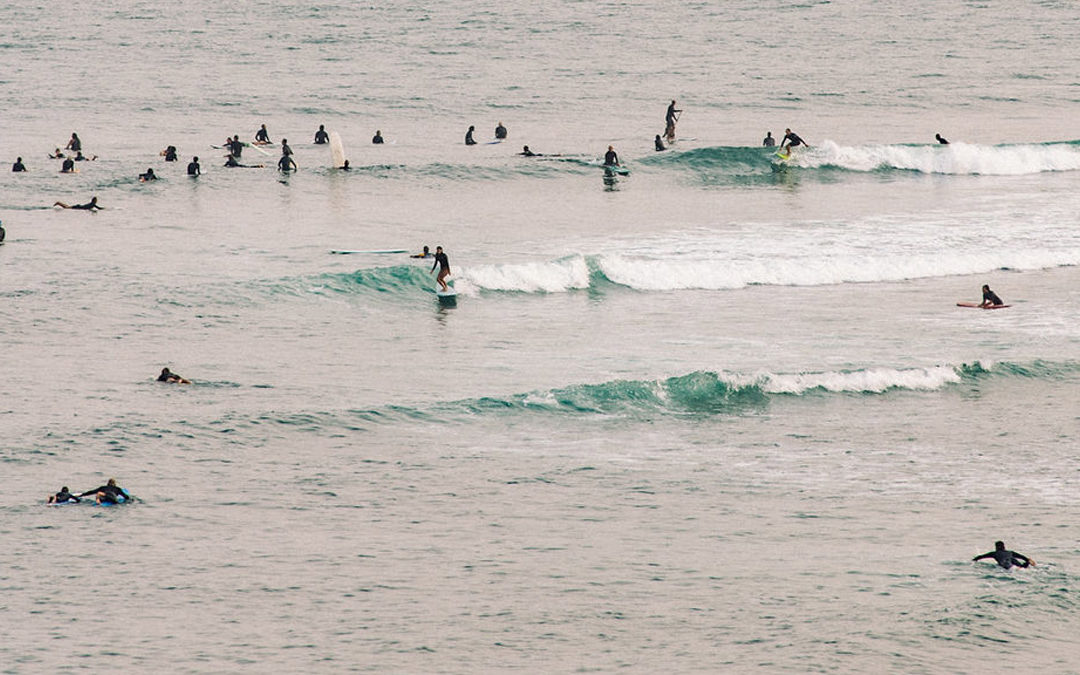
x=954, y=159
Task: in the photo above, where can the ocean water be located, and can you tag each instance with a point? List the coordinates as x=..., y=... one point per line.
x=719, y=415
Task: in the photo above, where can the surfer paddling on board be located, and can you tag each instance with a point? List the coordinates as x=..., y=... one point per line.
x=941, y=140
x=110, y=493
x=171, y=377
x=231, y=162
x=1005, y=557
x=426, y=253
x=670, y=119
x=443, y=264
x=63, y=497
x=91, y=205
x=990, y=298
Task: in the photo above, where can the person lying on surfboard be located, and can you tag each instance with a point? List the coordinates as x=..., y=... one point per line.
x=171, y=377
x=990, y=298
x=425, y=254
x=1005, y=557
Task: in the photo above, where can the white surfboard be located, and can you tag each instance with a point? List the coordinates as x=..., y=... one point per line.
x=337, y=151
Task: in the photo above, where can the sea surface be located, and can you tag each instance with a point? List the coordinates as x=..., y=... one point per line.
x=721, y=415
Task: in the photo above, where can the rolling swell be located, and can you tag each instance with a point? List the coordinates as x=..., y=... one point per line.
x=700, y=394
x=735, y=164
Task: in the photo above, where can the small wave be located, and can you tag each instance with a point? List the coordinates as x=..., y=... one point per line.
x=718, y=392
x=955, y=159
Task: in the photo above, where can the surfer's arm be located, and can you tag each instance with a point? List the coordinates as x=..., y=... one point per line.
x=984, y=555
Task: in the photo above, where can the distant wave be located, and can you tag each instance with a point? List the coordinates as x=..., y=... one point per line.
x=955, y=159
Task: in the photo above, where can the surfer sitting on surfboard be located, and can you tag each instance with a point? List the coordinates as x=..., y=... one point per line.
x=262, y=136
x=990, y=298
x=444, y=268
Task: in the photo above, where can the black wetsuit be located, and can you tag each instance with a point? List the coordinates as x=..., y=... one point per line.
x=610, y=158
x=991, y=297
x=63, y=497
x=236, y=148
x=1006, y=558
x=377, y=139
x=528, y=153
x=792, y=139
x=170, y=154
x=74, y=144
x=441, y=261
x=500, y=132
x=262, y=136
x=670, y=117
x=68, y=166
x=941, y=140
x=468, y=138
x=149, y=175
x=89, y=206
x=768, y=142
x=659, y=144
x=286, y=163
x=193, y=169
x=113, y=494
x=17, y=167
x=285, y=149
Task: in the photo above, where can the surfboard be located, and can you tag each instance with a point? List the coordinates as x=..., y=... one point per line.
x=337, y=151
x=613, y=169
x=449, y=293
x=977, y=306
x=374, y=251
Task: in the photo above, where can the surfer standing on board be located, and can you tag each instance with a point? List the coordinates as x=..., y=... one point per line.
x=791, y=140
x=443, y=264
x=990, y=298
x=670, y=119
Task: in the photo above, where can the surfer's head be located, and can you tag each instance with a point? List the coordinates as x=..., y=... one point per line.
x=999, y=546
x=986, y=287
x=112, y=482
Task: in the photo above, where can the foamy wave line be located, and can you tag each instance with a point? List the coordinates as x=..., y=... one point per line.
x=874, y=380
x=644, y=274
x=954, y=159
